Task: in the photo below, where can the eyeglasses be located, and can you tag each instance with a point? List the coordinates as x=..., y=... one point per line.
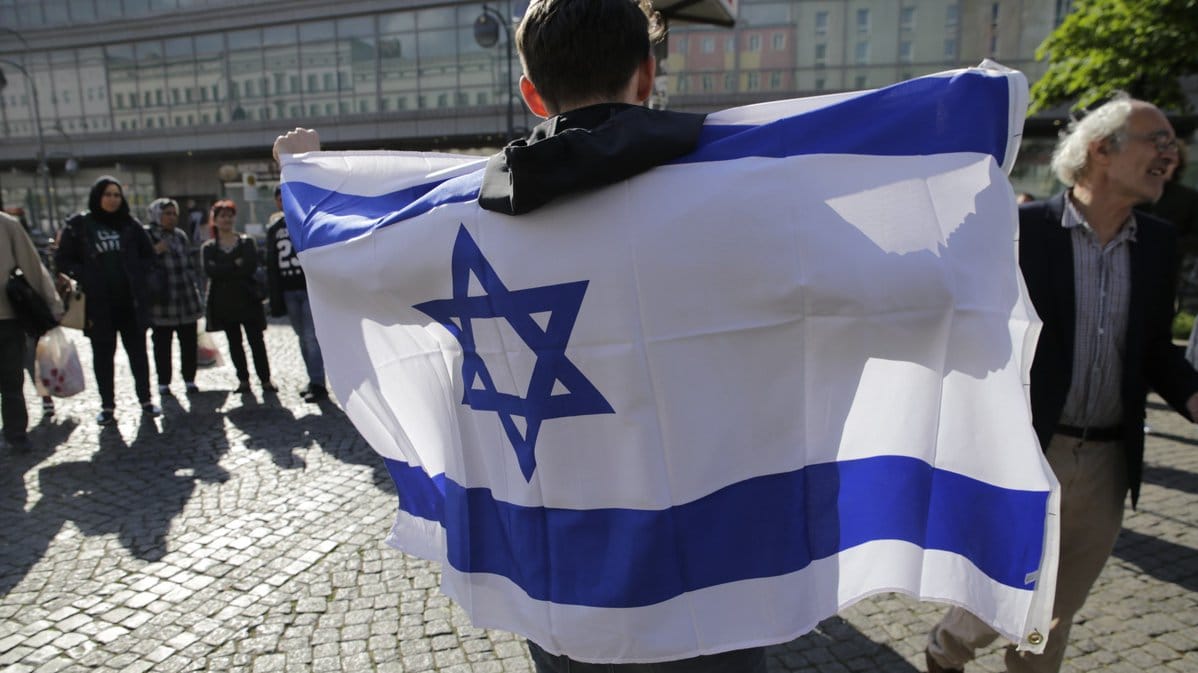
x=1161, y=140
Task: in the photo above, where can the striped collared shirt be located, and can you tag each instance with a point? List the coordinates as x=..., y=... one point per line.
x=1102, y=291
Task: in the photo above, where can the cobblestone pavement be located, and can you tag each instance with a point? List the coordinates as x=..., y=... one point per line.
x=244, y=534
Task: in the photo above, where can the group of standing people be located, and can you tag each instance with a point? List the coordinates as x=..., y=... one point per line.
x=137, y=278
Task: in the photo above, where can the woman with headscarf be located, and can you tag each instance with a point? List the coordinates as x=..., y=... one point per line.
x=234, y=300
x=178, y=308
x=108, y=252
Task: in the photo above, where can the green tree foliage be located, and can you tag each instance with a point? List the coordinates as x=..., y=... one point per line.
x=1139, y=46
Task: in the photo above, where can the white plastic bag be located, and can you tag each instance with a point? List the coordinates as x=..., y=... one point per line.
x=56, y=366
x=207, y=353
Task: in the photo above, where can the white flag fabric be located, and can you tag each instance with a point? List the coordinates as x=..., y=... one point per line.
x=706, y=407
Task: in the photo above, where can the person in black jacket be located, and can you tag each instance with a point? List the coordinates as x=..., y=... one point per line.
x=588, y=69
x=1102, y=278
x=289, y=297
x=234, y=299
x=108, y=252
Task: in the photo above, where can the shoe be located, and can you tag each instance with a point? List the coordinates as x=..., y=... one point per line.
x=934, y=667
x=106, y=417
x=164, y=389
x=150, y=409
x=244, y=388
x=192, y=387
x=268, y=387
x=47, y=406
x=315, y=393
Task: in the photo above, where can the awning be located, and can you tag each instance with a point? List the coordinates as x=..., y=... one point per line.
x=716, y=12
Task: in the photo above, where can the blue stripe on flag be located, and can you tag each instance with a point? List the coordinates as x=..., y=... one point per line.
x=761, y=527
x=334, y=216
x=934, y=116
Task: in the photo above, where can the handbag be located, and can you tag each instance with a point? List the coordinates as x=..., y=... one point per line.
x=76, y=313
x=31, y=309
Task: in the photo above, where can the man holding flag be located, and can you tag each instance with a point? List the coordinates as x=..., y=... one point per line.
x=1103, y=280
x=659, y=390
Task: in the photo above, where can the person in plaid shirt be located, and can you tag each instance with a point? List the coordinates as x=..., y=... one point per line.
x=178, y=308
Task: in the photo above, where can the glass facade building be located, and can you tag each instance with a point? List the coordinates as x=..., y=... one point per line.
x=183, y=97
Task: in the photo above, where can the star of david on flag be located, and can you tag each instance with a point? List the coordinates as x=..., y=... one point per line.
x=517, y=307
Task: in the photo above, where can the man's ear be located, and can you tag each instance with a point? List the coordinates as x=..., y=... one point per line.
x=645, y=74
x=533, y=99
x=1100, y=150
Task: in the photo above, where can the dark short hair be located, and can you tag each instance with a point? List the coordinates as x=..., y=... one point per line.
x=278, y=189
x=578, y=50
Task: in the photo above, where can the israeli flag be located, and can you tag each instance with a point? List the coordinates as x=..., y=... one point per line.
x=709, y=406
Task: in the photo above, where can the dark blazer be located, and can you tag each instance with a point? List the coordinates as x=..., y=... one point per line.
x=233, y=297
x=1151, y=360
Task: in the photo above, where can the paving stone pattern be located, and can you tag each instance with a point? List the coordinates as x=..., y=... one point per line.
x=244, y=534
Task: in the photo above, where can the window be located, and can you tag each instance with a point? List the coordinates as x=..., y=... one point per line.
x=311, y=82
x=861, y=52
x=754, y=43
x=779, y=41
x=682, y=85
x=775, y=80
x=706, y=83
x=821, y=23
x=708, y=45
x=820, y=83
x=860, y=82
x=863, y=21
x=821, y=54
x=680, y=44
x=907, y=18
x=950, y=49
x=905, y=51
x=951, y=15
x=754, y=81
x=730, y=44
x=480, y=98
x=729, y=81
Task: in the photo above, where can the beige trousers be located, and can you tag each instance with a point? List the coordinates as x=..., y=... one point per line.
x=1093, y=478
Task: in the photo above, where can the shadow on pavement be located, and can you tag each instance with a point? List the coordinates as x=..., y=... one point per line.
x=1163, y=560
x=274, y=428
x=1181, y=439
x=130, y=489
x=1168, y=477
x=836, y=645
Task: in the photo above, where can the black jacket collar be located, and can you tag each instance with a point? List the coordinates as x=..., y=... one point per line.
x=584, y=149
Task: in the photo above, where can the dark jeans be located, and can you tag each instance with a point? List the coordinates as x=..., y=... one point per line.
x=161, y=336
x=12, y=380
x=751, y=660
x=257, y=348
x=133, y=338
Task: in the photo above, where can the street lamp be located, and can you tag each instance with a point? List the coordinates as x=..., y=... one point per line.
x=42, y=168
x=486, y=35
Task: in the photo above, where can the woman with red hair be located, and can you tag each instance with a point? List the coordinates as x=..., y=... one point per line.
x=230, y=259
